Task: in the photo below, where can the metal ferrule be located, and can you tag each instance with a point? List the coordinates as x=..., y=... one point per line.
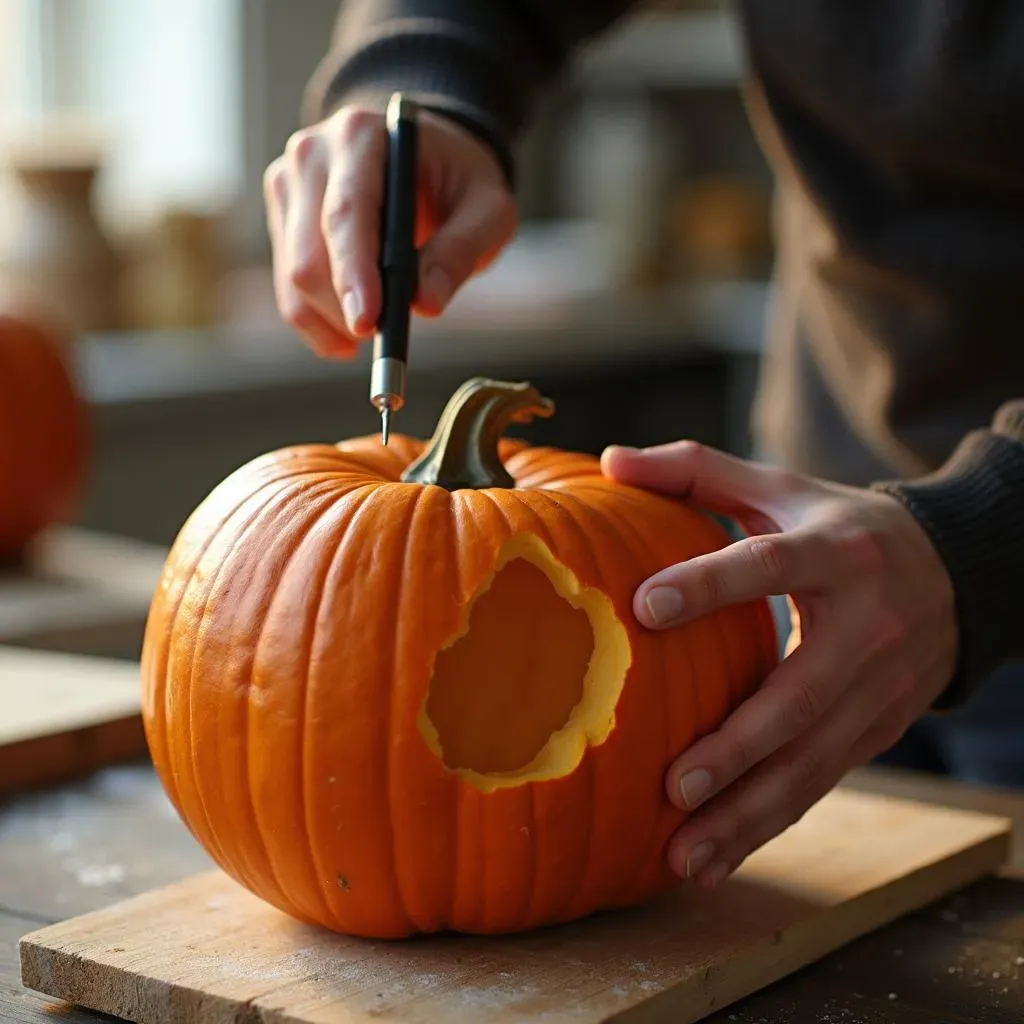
x=387, y=383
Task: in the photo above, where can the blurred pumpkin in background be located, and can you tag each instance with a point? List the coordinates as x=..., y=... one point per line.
x=43, y=430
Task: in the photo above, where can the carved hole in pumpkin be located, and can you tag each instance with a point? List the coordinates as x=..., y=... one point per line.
x=531, y=678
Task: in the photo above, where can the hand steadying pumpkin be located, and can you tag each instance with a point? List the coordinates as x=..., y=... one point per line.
x=877, y=641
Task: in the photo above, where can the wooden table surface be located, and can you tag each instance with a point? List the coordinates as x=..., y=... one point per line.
x=83, y=846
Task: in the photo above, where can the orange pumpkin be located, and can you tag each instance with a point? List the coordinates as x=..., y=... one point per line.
x=43, y=433
x=400, y=690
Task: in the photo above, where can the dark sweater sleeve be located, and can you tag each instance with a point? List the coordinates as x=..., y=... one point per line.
x=973, y=510
x=485, y=63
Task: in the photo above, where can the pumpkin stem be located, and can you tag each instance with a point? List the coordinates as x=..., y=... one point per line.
x=463, y=453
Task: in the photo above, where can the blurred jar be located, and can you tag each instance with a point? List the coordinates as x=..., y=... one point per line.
x=55, y=250
x=175, y=273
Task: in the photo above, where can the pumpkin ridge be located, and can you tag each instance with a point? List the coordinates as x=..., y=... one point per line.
x=355, y=503
x=175, y=765
x=188, y=694
x=632, y=540
x=315, y=519
x=495, y=499
x=366, y=502
x=155, y=689
x=240, y=867
x=547, y=539
x=390, y=732
x=636, y=881
x=571, y=892
x=473, y=504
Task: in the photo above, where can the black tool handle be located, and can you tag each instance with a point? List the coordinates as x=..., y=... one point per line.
x=398, y=257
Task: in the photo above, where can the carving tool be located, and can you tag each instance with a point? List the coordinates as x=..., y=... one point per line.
x=398, y=262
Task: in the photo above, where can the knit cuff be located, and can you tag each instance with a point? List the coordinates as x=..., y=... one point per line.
x=446, y=68
x=973, y=511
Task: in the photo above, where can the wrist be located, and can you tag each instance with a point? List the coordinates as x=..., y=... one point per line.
x=971, y=512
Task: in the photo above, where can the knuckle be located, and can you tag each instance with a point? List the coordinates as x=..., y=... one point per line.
x=301, y=147
x=294, y=312
x=890, y=631
x=738, y=758
x=803, y=708
x=275, y=181
x=804, y=773
x=340, y=213
x=889, y=732
x=860, y=550
x=709, y=588
x=461, y=255
x=903, y=688
x=780, y=480
x=506, y=212
x=769, y=558
x=305, y=275
x=351, y=123
x=730, y=829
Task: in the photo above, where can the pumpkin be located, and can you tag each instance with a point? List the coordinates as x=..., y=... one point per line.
x=402, y=690
x=43, y=432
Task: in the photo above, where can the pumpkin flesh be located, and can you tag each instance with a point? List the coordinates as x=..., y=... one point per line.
x=504, y=712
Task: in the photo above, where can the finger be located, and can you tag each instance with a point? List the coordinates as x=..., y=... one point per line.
x=804, y=559
x=350, y=217
x=802, y=690
x=777, y=793
x=275, y=201
x=477, y=230
x=791, y=702
x=306, y=266
x=909, y=695
x=704, y=475
x=321, y=336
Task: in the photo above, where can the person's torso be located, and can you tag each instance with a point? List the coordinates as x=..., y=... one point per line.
x=897, y=130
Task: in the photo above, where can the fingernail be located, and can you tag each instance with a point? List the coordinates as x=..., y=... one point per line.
x=717, y=875
x=699, y=857
x=695, y=787
x=352, y=308
x=664, y=604
x=439, y=286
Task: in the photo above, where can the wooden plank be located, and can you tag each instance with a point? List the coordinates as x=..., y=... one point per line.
x=855, y=862
x=943, y=791
x=65, y=715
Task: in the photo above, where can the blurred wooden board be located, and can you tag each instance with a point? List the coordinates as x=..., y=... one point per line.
x=81, y=592
x=64, y=715
x=206, y=950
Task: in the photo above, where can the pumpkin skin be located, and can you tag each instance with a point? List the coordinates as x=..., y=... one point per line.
x=287, y=664
x=44, y=443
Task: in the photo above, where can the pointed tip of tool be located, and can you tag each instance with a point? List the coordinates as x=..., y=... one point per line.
x=385, y=425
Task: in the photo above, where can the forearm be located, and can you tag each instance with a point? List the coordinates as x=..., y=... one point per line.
x=486, y=64
x=973, y=510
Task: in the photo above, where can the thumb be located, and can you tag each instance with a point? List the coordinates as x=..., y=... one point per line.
x=466, y=242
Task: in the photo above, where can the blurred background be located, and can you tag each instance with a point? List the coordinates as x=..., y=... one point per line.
x=134, y=141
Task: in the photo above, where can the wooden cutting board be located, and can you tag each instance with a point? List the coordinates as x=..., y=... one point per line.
x=204, y=950
x=63, y=715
